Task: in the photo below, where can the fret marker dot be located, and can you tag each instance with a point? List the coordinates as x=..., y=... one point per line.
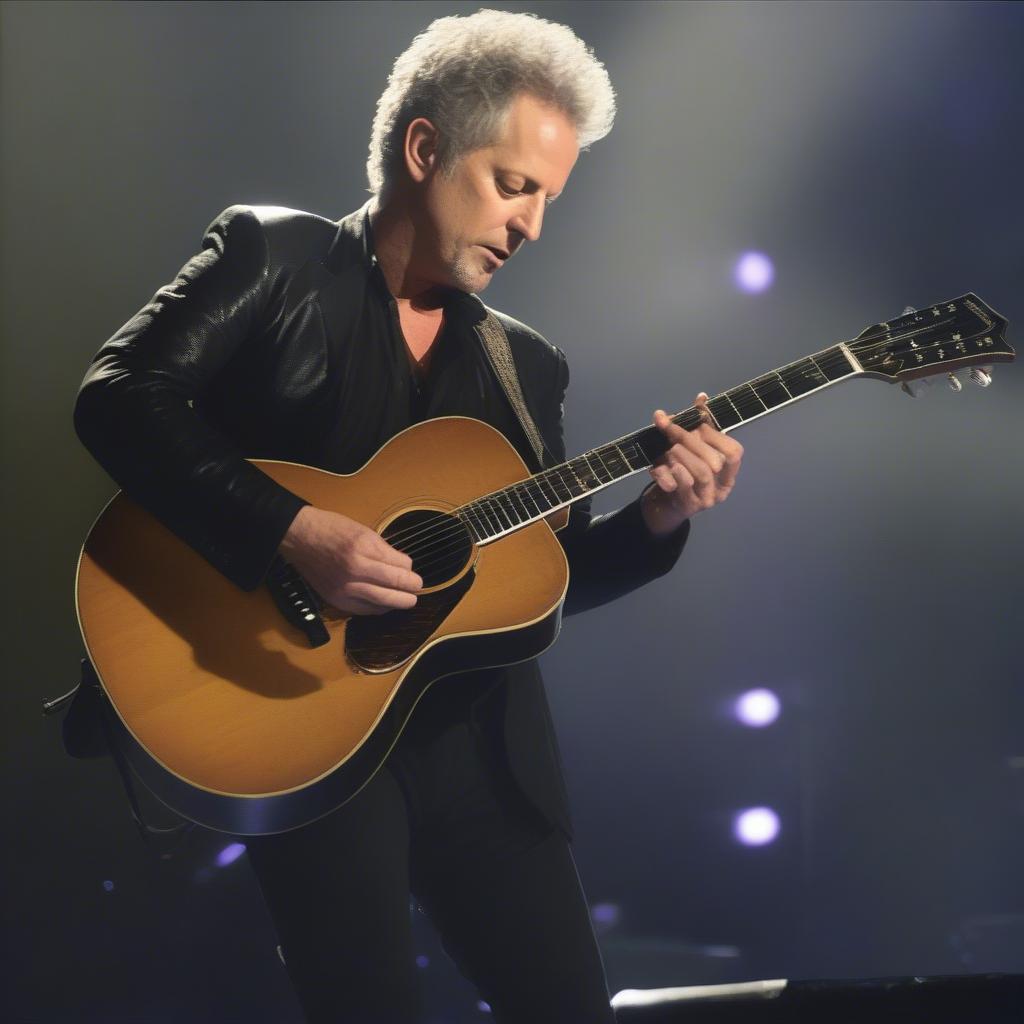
x=753, y=272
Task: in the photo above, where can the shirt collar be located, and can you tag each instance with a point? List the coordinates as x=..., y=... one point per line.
x=456, y=302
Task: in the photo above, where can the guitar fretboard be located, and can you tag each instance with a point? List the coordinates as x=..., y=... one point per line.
x=513, y=507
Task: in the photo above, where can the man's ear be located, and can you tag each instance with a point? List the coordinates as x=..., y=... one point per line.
x=420, y=150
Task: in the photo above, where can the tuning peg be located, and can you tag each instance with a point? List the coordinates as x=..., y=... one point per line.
x=908, y=311
x=954, y=384
x=916, y=388
x=981, y=375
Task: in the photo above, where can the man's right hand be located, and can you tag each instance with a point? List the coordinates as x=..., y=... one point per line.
x=349, y=565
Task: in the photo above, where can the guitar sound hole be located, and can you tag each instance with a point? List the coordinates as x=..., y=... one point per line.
x=438, y=543
x=440, y=547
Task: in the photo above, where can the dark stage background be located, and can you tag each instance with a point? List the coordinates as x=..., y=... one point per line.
x=867, y=569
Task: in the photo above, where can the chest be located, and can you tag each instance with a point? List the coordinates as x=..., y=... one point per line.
x=420, y=331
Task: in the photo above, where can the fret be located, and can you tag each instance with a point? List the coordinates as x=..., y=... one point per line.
x=569, y=485
x=726, y=414
x=494, y=508
x=531, y=488
x=833, y=364
x=584, y=473
x=617, y=462
x=594, y=462
x=629, y=467
x=508, y=506
x=813, y=363
x=542, y=479
x=757, y=398
x=468, y=516
x=527, y=490
x=771, y=390
x=633, y=458
x=515, y=495
x=802, y=377
x=482, y=511
x=604, y=467
x=570, y=478
x=529, y=500
x=744, y=399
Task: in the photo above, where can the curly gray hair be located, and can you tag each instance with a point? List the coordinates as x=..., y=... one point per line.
x=463, y=72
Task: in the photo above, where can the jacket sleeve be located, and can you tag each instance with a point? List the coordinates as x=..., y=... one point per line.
x=612, y=554
x=134, y=413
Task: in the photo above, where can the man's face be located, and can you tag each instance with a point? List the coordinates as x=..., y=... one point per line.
x=496, y=196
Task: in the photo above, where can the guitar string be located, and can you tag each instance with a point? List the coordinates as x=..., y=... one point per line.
x=490, y=506
x=830, y=359
x=495, y=506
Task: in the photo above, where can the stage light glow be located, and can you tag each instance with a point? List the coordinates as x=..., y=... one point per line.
x=230, y=854
x=756, y=826
x=483, y=1007
x=605, y=913
x=721, y=952
x=753, y=272
x=757, y=708
x=108, y=886
x=423, y=960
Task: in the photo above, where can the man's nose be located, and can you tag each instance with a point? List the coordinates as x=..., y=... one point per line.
x=529, y=218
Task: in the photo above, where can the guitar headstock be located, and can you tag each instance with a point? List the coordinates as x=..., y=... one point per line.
x=949, y=336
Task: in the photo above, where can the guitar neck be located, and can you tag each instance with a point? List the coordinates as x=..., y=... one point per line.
x=526, y=501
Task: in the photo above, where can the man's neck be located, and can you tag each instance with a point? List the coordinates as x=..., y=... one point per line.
x=394, y=242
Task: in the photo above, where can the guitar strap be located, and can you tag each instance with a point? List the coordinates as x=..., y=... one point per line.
x=495, y=342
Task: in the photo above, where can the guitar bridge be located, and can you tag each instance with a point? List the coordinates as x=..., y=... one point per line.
x=296, y=601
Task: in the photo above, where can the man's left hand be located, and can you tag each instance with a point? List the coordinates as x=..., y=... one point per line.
x=697, y=472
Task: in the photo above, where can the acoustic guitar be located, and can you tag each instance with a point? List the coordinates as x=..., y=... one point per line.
x=256, y=712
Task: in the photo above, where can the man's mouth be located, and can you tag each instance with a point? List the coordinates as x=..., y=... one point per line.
x=499, y=254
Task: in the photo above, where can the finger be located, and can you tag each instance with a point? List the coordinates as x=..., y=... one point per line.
x=696, y=445
x=375, y=595
x=704, y=496
x=668, y=481
x=379, y=548
x=706, y=441
x=664, y=423
x=730, y=450
x=353, y=606
x=390, y=576
x=698, y=470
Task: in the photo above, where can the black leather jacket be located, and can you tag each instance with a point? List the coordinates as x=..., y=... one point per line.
x=269, y=344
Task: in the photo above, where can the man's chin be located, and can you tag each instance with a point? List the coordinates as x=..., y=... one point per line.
x=469, y=273
x=472, y=283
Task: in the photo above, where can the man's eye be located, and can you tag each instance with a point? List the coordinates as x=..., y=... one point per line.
x=508, y=189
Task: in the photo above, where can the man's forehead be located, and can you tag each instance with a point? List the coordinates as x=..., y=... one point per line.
x=537, y=140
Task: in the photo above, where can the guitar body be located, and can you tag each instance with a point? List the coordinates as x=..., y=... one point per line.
x=223, y=706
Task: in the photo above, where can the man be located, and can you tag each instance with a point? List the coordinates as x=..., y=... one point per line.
x=293, y=337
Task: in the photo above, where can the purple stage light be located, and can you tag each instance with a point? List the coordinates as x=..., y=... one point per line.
x=483, y=1007
x=756, y=826
x=422, y=960
x=605, y=913
x=757, y=708
x=753, y=272
x=108, y=886
x=230, y=854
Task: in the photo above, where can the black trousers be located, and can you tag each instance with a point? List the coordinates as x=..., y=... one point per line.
x=441, y=820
